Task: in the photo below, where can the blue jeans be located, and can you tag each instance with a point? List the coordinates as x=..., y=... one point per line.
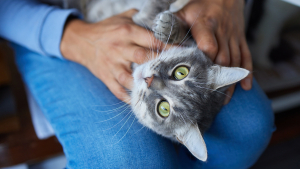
x=80, y=109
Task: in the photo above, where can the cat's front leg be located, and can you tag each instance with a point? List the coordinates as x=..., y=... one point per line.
x=149, y=11
x=168, y=28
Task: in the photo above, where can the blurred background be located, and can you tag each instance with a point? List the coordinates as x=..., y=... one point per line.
x=273, y=33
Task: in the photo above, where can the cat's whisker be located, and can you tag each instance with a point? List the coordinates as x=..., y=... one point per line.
x=172, y=43
x=199, y=75
x=182, y=118
x=140, y=104
x=185, y=40
x=118, y=122
x=140, y=129
x=144, y=95
x=124, y=97
x=150, y=45
x=189, y=119
x=137, y=102
x=114, y=116
x=215, y=91
x=165, y=57
x=123, y=125
x=126, y=131
x=113, y=110
x=170, y=32
x=191, y=27
x=172, y=25
x=109, y=104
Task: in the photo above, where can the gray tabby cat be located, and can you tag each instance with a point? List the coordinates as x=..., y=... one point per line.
x=178, y=93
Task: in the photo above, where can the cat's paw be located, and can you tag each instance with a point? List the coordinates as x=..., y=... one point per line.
x=168, y=28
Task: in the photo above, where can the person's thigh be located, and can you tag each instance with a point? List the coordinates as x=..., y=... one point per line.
x=239, y=133
x=95, y=129
x=79, y=107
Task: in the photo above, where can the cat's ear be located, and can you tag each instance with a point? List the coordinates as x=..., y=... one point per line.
x=220, y=76
x=191, y=137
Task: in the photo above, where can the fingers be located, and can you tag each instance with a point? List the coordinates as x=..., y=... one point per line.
x=118, y=90
x=229, y=55
x=116, y=83
x=115, y=78
x=223, y=56
x=235, y=59
x=123, y=77
x=205, y=38
x=146, y=39
x=129, y=13
x=139, y=54
x=247, y=64
x=142, y=44
x=229, y=94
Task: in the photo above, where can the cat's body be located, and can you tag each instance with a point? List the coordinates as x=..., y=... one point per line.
x=151, y=15
x=178, y=93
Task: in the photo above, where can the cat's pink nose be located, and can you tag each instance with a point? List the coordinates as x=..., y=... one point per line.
x=149, y=80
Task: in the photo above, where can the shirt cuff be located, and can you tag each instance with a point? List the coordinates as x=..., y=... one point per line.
x=52, y=30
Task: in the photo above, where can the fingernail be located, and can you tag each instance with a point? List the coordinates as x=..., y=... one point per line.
x=248, y=83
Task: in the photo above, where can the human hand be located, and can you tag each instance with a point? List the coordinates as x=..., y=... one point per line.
x=218, y=28
x=108, y=48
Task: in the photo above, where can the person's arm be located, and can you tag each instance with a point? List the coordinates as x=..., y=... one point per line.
x=37, y=26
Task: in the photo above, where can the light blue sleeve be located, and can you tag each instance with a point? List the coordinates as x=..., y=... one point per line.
x=37, y=26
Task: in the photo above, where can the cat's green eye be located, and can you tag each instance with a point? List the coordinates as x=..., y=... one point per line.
x=181, y=72
x=164, y=109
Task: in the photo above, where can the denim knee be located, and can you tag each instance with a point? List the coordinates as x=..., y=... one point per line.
x=254, y=135
x=257, y=135
x=241, y=131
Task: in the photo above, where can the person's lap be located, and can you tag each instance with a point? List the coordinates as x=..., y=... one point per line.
x=80, y=109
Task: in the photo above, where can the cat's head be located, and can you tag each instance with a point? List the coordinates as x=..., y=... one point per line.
x=180, y=91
